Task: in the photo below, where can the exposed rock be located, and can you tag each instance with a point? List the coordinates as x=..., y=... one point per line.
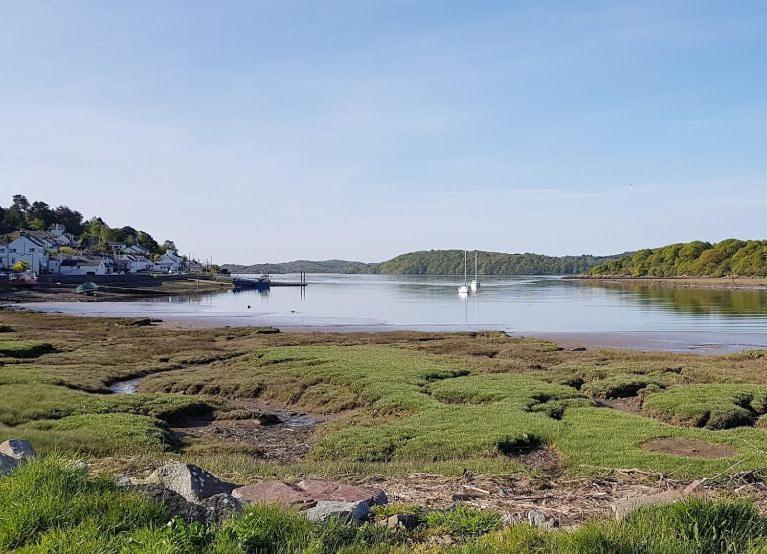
x=7, y=464
x=401, y=521
x=326, y=509
x=509, y=518
x=539, y=518
x=211, y=510
x=341, y=492
x=274, y=492
x=191, y=482
x=18, y=449
x=221, y=506
x=174, y=503
x=123, y=481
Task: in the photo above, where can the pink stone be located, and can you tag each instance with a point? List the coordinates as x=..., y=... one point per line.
x=274, y=492
x=341, y=492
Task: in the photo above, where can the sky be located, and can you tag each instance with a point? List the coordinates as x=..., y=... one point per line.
x=268, y=130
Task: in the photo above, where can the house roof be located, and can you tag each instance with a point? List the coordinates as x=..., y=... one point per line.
x=81, y=261
x=37, y=241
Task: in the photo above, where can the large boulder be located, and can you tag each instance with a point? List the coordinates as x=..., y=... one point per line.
x=327, y=509
x=7, y=464
x=189, y=481
x=18, y=449
x=213, y=509
x=274, y=492
x=341, y=492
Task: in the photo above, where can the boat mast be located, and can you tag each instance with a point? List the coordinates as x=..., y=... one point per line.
x=475, y=267
x=465, y=275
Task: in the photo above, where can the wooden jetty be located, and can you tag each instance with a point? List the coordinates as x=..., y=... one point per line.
x=265, y=282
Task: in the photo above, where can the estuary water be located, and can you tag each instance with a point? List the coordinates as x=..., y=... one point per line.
x=592, y=313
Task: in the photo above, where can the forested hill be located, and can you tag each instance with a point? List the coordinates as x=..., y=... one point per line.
x=450, y=262
x=729, y=257
x=439, y=262
x=94, y=233
x=324, y=266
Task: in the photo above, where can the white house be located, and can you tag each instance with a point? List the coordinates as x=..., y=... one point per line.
x=136, y=249
x=27, y=249
x=59, y=234
x=170, y=262
x=134, y=264
x=86, y=265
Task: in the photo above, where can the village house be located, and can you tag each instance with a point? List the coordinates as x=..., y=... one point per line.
x=86, y=265
x=136, y=249
x=133, y=264
x=59, y=234
x=170, y=262
x=27, y=249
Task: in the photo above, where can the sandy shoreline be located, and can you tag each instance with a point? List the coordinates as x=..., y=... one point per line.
x=742, y=283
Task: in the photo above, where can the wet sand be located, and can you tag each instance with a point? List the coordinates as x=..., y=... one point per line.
x=699, y=342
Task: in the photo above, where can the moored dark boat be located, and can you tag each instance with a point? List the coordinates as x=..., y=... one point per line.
x=261, y=283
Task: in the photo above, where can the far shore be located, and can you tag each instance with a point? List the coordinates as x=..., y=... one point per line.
x=105, y=293
x=744, y=283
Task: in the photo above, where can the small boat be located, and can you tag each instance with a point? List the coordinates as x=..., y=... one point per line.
x=474, y=285
x=464, y=289
x=261, y=283
x=87, y=288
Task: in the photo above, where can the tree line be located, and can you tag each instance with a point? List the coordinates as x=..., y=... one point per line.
x=450, y=262
x=439, y=262
x=92, y=233
x=731, y=257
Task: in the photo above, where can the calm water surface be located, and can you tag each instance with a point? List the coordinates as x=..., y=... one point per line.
x=515, y=304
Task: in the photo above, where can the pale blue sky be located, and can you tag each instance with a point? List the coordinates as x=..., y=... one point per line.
x=274, y=130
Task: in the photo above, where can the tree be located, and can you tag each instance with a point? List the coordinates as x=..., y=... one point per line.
x=43, y=212
x=169, y=246
x=36, y=224
x=145, y=240
x=20, y=203
x=20, y=266
x=71, y=220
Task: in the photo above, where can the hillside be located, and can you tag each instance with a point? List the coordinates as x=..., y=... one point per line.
x=323, y=266
x=450, y=262
x=94, y=233
x=729, y=257
x=439, y=262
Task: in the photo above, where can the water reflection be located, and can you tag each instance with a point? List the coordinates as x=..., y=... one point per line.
x=535, y=304
x=700, y=301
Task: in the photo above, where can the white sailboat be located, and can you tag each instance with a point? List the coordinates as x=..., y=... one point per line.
x=464, y=289
x=474, y=285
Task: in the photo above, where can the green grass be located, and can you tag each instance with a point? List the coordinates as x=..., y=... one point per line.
x=24, y=348
x=415, y=408
x=66, y=420
x=50, y=507
x=693, y=526
x=27, y=402
x=713, y=406
x=46, y=501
